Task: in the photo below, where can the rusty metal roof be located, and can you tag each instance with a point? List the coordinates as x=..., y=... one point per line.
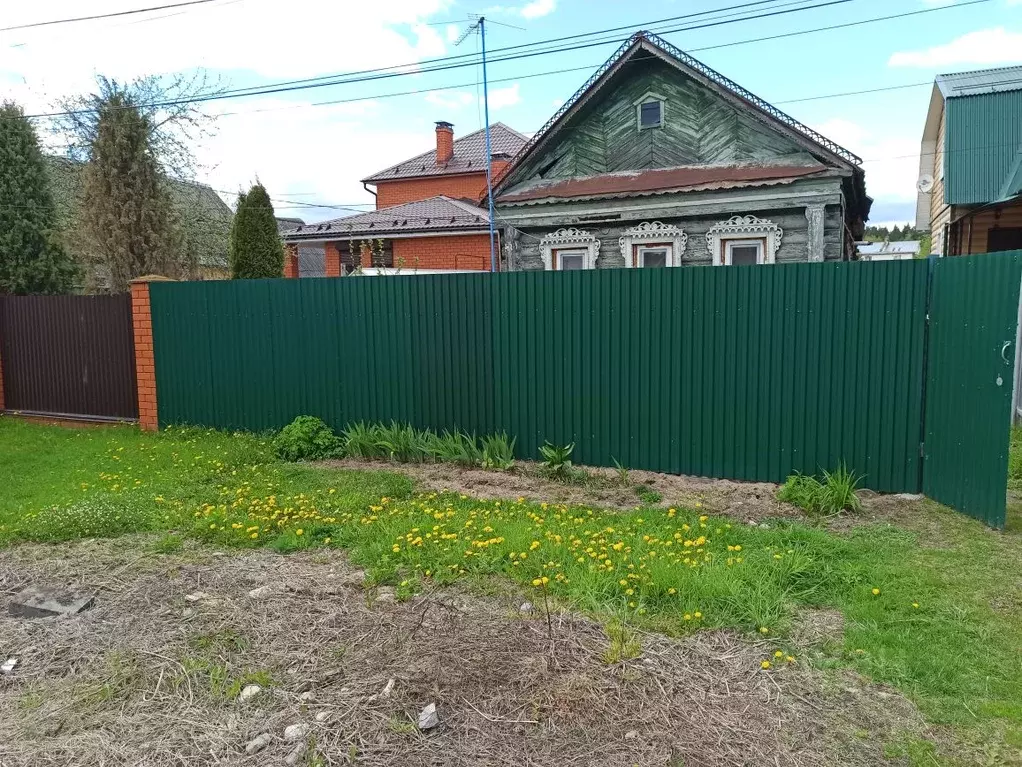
x=661, y=180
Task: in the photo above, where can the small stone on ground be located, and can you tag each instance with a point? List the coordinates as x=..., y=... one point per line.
x=295, y=732
x=260, y=593
x=248, y=692
x=8, y=666
x=428, y=718
x=258, y=743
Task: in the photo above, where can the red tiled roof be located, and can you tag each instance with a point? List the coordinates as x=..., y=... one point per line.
x=661, y=180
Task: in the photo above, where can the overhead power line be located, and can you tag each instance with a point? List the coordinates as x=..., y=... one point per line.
x=131, y=12
x=406, y=70
x=272, y=89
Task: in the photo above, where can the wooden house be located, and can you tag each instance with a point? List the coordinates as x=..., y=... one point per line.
x=970, y=163
x=660, y=161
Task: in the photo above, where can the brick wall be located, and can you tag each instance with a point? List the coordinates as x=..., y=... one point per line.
x=332, y=260
x=457, y=252
x=291, y=262
x=470, y=186
x=145, y=363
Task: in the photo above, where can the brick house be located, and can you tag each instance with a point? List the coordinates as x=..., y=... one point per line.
x=428, y=213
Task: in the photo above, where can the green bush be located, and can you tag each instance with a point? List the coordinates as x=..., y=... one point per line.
x=498, y=452
x=556, y=459
x=306, y=438
x=836, y=493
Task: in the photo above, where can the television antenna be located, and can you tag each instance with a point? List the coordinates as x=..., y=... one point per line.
x=480, y=25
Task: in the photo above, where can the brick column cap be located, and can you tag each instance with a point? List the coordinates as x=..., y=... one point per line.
x=150, y=278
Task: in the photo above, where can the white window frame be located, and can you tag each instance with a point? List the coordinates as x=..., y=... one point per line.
x=570, y=239
x=642, y=250
x=744, y=228
x=562, y=252
x=729, y=245
x=654, y=233
x=644, y=99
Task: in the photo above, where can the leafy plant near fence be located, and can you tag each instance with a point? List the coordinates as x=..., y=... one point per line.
x=306, y=438
x=831, y=495
x=557, y=459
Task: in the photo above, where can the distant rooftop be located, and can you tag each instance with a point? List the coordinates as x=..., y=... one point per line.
x=432, y=215
x=880, y=248
x=469, y=155
x=980, y=81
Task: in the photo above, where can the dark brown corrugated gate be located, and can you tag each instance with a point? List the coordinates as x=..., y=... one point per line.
x=68, y=355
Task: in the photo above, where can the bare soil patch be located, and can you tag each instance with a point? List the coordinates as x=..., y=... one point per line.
x=149, y=676
x=748, y=501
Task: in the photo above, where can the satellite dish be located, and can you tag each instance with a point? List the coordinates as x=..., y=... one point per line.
x=925, y=183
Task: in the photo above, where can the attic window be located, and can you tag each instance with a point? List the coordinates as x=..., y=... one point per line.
x=649, y=111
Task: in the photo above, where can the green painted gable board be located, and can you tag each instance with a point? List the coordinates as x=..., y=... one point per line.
x=983, y=139
x=700, y=127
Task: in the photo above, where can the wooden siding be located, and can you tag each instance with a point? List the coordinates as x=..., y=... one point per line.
x=794, y=243
x=699, y=127
x=976, y=229
x=940, y=211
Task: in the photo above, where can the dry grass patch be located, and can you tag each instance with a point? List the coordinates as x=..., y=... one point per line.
x=146, y=676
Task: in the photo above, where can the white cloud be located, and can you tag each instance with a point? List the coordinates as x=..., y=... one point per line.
x=531, y=10
x=317, y=37
x=984, y=47
x=299, y=152
x=457, y=100
x=538, y=8
x=505, y=97
x=891, y=162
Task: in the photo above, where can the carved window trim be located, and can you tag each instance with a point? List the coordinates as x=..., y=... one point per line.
x=570, y=239
x=744, y=228
x=653, y=233
x=645, y=99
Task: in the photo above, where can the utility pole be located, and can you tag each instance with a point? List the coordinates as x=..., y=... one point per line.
x=480, y=24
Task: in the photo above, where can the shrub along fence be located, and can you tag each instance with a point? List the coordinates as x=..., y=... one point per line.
x=744, y=373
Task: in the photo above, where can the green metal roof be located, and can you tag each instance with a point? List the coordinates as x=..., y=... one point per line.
x=983, y=148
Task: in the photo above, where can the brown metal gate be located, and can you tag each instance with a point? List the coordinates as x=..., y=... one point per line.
x=70, y=356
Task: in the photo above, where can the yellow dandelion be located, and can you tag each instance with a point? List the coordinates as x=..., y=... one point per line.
x=764, y=630
x=778, y=654
x=915, y=605
x=765, y=664
x=299, y=531
x=698, y=615
x=876, y=592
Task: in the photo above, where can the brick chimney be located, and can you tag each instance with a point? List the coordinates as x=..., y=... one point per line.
x=444, y=142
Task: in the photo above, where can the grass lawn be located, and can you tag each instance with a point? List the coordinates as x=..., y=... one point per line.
x=931, y=606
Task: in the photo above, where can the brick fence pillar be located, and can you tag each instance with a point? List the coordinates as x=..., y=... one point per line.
x=332, y=259
x=145, y=359
x=291, y=262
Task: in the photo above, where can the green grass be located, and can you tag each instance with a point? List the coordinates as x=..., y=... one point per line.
x=958, y=655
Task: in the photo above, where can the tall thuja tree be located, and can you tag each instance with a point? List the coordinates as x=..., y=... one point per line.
x=127, y=216
x=134, y=138
x=256, y=250
x=31, y=258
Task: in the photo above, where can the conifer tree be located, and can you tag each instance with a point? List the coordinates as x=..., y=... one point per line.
x=256, y=251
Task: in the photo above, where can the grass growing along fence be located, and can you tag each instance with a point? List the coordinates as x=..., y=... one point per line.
x=956, y=653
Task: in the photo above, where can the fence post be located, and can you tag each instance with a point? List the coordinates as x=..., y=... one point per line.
x=291, y=262
x=145, y=360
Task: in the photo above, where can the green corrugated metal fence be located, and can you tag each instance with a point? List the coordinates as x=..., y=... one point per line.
x=974, y=305
x=746, y=373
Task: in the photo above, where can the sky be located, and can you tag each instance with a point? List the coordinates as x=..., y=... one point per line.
x=310, y=147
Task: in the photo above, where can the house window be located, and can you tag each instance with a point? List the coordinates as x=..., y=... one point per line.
x=569, y=248
x=743, y=252
x=649, y=111
x=652, y=244
x=567, y=260
x=744, y=240
x=653, y=256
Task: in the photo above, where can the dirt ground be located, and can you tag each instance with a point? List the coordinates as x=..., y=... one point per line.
x=743, y=501
x=147, y=677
